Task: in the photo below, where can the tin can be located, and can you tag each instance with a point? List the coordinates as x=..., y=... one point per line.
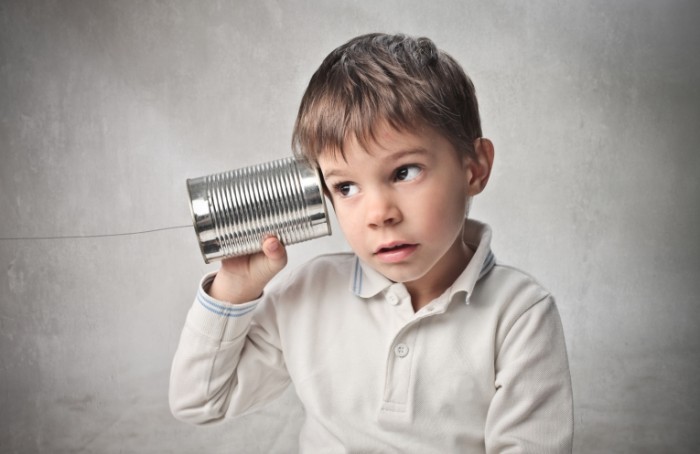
x=234, y=211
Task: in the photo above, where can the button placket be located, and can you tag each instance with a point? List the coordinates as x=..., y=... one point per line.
x=399, y=380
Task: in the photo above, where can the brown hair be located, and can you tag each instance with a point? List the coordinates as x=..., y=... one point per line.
x=407, y=82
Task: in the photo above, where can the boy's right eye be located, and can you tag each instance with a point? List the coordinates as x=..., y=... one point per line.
x=345, y=189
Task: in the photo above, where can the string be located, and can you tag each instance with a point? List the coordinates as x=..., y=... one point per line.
x=103, y=235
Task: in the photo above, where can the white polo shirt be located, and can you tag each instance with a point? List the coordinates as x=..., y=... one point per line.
x=482, y=368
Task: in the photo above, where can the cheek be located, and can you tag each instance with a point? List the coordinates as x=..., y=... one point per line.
x=442, y=203
x=349, y=221
x=441, y=219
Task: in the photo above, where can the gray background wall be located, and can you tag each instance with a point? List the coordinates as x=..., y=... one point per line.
x=107, y=107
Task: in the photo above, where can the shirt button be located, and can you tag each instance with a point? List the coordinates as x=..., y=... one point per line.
x=401, y=350
x=393, y=299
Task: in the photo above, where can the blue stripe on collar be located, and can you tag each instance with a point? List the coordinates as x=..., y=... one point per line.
x=357, y=280
x=489, y=263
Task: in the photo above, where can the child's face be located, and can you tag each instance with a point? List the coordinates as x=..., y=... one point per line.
x=401, y=203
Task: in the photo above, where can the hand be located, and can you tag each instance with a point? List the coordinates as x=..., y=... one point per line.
x=242, y=279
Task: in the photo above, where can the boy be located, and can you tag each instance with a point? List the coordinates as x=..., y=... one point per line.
x=418, y=342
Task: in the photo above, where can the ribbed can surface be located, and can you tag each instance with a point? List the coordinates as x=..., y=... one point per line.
x=234, y=211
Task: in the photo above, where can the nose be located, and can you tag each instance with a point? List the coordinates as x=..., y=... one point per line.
x=381, y=209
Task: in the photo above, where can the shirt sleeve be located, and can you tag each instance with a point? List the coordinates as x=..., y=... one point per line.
x=228, y=361
x=532, y=409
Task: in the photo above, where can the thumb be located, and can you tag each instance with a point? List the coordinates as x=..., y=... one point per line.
x=276, y=254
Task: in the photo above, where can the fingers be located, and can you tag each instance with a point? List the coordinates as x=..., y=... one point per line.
x=276, y=254
x=243, y=278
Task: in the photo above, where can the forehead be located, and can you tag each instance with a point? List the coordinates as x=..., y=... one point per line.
x=387, y=144
x=383, y=139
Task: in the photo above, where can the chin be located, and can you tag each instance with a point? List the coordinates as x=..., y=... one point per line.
x=402, y=276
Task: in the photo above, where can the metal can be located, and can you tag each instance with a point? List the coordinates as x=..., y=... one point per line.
x=234, y=211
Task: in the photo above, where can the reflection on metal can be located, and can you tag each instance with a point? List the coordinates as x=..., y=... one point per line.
x=234, y=211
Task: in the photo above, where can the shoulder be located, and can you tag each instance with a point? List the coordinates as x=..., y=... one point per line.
x=326, y=271
x=509, y=291
x=514, y=301
x=511, y=279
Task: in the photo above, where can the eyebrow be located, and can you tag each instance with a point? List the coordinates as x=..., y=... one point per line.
x=403, y=153
x=420, y=151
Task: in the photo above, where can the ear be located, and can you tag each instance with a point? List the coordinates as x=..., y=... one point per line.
x=479, y=166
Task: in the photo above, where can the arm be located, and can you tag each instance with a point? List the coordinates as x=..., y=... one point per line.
x=532, y=409
x=226, y=363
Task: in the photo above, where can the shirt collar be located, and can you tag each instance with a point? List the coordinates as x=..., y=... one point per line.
x=366, y=282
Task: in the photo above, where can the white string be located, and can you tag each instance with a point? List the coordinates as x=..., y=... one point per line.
x=104, y=235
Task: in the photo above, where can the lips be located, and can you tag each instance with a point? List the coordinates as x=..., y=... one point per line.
x=395, y=252
x=390, y=248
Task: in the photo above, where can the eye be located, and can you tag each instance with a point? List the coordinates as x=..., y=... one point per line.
x=407, y=173
x=345, y=189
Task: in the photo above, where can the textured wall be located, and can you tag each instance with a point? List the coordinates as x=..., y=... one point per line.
x=107, y=107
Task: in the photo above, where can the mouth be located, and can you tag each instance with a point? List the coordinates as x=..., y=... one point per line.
x=392, y=248
x=395, y=252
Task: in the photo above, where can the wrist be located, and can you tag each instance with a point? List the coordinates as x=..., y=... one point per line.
x=232, y=289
